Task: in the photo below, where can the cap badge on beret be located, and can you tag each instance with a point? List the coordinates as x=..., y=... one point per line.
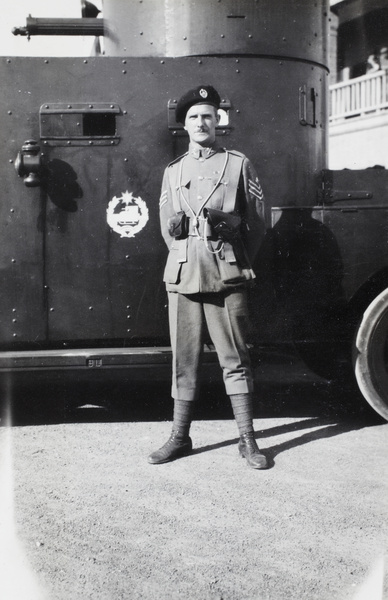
x=203, y=93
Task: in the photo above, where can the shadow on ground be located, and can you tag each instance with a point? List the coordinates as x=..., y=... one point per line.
x=67, y=398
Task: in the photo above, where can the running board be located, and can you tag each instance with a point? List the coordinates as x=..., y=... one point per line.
x=91, y=358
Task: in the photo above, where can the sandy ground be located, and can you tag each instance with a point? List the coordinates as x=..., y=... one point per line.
x=84, y=516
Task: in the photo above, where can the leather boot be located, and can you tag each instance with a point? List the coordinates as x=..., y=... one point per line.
x=177, y=445
x=248, y=449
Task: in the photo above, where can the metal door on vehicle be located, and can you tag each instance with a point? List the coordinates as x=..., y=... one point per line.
x=77, y=232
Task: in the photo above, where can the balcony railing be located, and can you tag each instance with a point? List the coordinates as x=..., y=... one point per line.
x=359, y=96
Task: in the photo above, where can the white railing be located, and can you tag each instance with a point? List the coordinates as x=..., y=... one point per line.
x=359, y=96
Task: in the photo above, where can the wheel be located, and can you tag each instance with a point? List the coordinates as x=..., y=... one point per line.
x=371, y=354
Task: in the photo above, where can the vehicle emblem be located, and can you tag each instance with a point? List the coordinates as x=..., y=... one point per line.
x=203, y=93
x=127, y=215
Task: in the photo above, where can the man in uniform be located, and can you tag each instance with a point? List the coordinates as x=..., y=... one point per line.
x=212, y=220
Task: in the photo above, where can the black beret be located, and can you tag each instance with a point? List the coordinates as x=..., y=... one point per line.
x=203, y=94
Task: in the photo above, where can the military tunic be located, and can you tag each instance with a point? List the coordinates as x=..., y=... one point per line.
x=204, y=280
x=195, y=265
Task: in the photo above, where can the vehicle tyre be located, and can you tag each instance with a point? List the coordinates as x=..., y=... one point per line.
x=370, y=354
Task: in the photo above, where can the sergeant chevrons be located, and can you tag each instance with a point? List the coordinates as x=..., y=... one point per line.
x=211, y=178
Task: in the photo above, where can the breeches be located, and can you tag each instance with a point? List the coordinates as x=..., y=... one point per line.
x=226, y=317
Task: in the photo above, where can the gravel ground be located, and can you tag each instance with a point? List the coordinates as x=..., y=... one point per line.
x=86, y=517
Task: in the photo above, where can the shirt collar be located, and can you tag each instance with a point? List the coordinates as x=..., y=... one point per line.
x=196, y=151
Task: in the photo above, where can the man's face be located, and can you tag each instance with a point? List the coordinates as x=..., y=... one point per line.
x=200, y=123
